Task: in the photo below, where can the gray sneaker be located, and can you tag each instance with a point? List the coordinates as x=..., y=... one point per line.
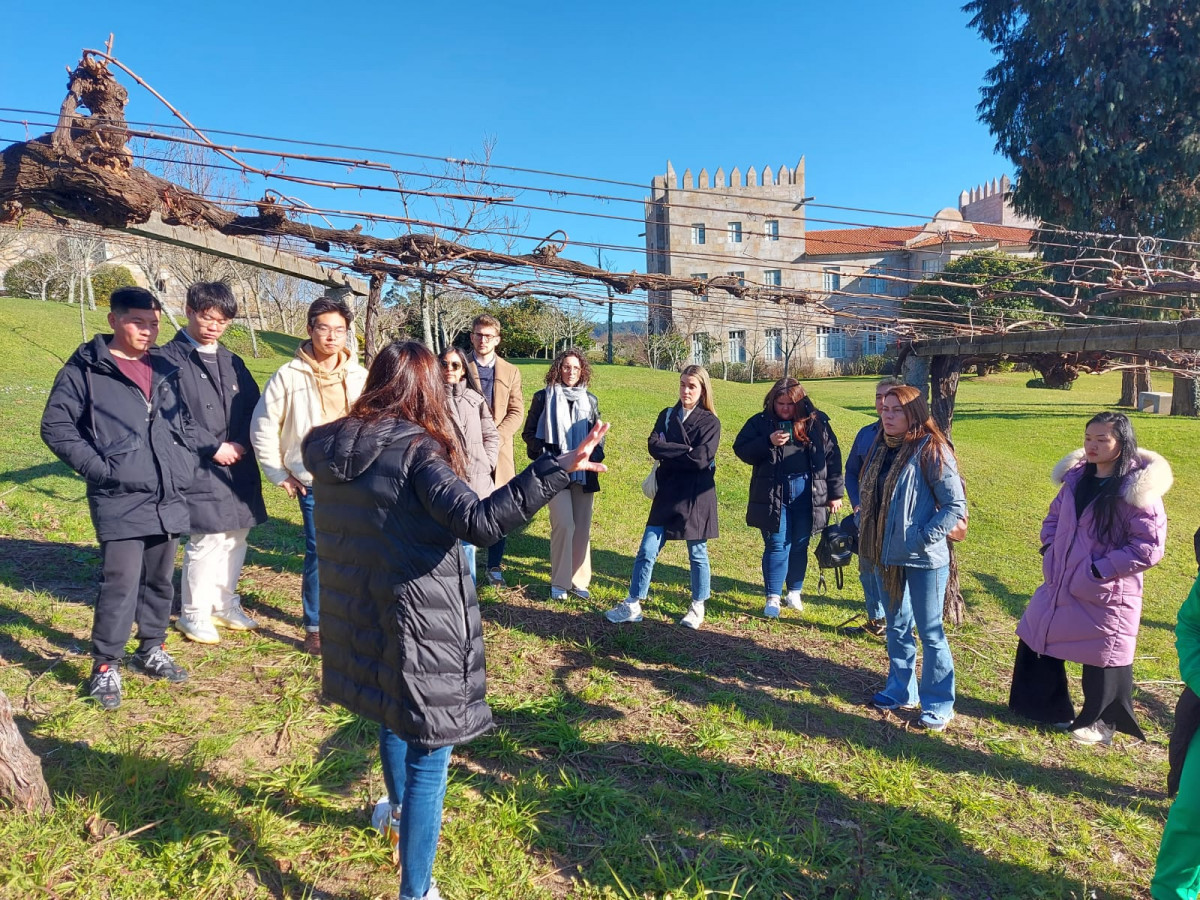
x=628, y=610
x=234, y=617
x=496, y=578
x=158, y=664
x=105, y=686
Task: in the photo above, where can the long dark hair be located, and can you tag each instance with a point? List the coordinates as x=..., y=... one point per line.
x=805, y=417
x=405, y=383
x=1110, y=530
x=921, y=424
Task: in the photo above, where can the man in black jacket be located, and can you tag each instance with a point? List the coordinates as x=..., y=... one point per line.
x=115, y=416
x=225, y=499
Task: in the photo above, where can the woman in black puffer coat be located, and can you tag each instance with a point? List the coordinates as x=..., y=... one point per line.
x=797, y=479
x=401, y=638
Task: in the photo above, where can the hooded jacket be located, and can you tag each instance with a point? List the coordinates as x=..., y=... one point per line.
x=401, y=638
x=135, y=454
x=291, y=405
x=220, y=498
x=479, y=436
x=1074, y=615
x=823, y=466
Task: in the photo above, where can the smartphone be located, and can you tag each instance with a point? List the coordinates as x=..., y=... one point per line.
x=785, y=426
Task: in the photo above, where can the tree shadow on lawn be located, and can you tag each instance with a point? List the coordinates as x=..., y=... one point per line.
x=68, y=571
x=135, y=789
x=695, y=667
x=31, y=475
x=663, y=820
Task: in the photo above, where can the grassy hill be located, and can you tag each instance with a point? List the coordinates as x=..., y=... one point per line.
x=628, y=762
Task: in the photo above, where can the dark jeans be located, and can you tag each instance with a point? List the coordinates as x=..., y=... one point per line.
x=310, y=587
x=495, y=554
x=135, y=587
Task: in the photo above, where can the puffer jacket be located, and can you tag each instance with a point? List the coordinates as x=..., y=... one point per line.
x=822, y=464
x=135, y=454
x=401, y=637
x=1073, y=615
x=480, y=437
x=924, y=508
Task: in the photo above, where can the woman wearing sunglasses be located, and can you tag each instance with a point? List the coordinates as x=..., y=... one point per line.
x=476, y=431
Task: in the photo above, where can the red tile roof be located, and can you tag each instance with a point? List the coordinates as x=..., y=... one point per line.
x=847, y=241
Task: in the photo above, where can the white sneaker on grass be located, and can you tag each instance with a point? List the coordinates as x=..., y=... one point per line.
x=385, y=819
x=557, y=593
x=628, y=610
x=200, y=631
x=771, y=608
x=793, y=601
x=694, y=617
x=1096, y=733
x=234, y=617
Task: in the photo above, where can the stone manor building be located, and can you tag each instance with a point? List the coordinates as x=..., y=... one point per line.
x=752, y=227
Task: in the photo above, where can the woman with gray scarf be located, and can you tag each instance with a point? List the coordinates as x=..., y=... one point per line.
x=476, y=431
x=559, y=419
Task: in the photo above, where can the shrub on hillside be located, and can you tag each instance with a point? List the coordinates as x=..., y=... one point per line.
x=1041, y=384
x=27, y=277
x=107, y=278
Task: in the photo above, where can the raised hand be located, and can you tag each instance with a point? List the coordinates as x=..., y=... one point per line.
x=577, y=460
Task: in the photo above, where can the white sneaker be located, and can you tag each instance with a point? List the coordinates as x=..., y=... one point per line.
x=771, y=609
x=628, y=610
x=1099, y=733
x=582, y=593
x=793, y=601
x=557, y=593
x=198, y=631
x=234, y=618
x=694, y=617
x=496, y=578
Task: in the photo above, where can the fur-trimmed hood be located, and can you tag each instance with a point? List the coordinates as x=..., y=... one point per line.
x=1144, y=485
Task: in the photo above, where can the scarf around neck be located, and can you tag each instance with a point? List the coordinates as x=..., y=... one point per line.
x=874, y=510
x=564, y=421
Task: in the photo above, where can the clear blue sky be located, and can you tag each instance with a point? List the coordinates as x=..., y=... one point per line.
x=878, y=96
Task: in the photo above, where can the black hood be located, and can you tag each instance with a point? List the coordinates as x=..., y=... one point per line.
x=341, y=451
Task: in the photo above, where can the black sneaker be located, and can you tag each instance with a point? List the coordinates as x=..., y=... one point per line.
x=105, y=686
x=158, y=664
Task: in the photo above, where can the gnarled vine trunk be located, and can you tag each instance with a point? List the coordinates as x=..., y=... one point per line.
x=21, y=783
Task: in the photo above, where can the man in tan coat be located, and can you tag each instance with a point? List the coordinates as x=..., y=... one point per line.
x=500, y=384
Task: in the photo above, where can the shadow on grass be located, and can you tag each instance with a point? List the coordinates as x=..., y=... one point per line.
x=208, y=828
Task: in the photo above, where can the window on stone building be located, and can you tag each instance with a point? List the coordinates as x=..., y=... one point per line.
x=771, y=227
x=702, y=276
x=734, y=235
x=773, y=278
x=737, y=346
x=874, y=340
x=931, y=266
x=872, y=283
x=831, y=342
x=698, y=233
x=740, y=276
x=774, y=339
x=700, y=348
x=831, y=279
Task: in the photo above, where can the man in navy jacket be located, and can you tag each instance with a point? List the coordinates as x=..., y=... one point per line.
x=115, y=416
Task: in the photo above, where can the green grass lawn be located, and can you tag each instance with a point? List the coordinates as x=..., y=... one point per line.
x=641, y=761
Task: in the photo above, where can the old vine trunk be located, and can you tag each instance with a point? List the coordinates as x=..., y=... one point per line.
x=21, y=783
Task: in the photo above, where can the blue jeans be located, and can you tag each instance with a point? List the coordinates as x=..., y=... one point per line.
x=310, y=587
x=417, y=779
x=873, y=592
x=785, y=551
x=922, y=603
x=643, y=565
x=495, y=554
x=469, y=553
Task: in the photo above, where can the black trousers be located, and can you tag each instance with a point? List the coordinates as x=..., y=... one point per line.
x=1039, y=691
x=135, y=587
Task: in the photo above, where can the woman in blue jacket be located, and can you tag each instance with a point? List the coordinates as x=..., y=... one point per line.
x=911, y=498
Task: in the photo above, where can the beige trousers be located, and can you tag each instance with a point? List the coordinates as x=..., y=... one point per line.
x=571, y=538
x=212, y=564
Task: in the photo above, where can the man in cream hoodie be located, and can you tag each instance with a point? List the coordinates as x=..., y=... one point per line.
x=318, y=386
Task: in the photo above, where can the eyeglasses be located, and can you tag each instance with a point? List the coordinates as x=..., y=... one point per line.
x=209, y=320
x=452, y=366
x=335, y=331
x=484, y=336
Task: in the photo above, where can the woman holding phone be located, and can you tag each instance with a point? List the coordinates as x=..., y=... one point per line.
x=796, y=480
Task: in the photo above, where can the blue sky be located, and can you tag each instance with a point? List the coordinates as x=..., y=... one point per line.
x=878, y=96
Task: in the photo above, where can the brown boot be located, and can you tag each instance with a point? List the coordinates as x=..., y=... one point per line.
x=312, y=643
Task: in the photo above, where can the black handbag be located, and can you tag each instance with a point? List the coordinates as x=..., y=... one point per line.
x=835, y=550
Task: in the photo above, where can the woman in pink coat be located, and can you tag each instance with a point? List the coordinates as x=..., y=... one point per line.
x=1105, y=527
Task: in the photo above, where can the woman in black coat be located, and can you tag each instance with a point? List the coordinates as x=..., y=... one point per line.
x=797, y=479
x=400, y=629
x=560, y=417
x=684, y=442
